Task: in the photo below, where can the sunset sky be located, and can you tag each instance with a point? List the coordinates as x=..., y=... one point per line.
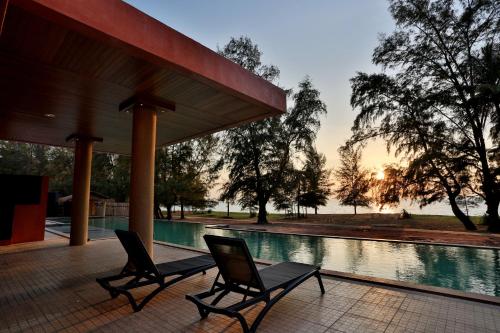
x=329, y=40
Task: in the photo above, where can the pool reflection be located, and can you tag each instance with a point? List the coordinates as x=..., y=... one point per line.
x=460, y=268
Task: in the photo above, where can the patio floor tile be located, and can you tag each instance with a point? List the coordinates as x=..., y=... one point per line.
x=50, y=287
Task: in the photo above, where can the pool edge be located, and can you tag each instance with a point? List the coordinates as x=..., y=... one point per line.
x=440, y=291
x=484, y=247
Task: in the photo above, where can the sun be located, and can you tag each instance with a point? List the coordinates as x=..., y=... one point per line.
x=380, y=175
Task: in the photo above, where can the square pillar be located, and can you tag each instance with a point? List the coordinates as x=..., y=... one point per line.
x=142, y=173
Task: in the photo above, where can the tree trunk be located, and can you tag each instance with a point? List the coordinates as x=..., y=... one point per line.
x=461, y=216
x=182, y=210
x=157, y=211
x=492, y=218
x=315, y=210
x=466, y=208
x=355, y=212
x=169, y=212
x=228, y=209
x=298, y=205
x=262, y=217
x=489, y=188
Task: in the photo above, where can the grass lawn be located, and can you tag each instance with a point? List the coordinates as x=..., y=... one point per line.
x=236, y=215
x=478, y=220
x=430, y=222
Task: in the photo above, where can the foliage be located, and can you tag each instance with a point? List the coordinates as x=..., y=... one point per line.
x=353, y=180
x=247, y=54
x=32, y=159
x=287, y=195
x=184, y=174
x=60, y=169
x=388, y=191
x=436, y=108
x=258, y=155
x=101, y=179
x=316, y=186
x=110, y=173
x=121, y=178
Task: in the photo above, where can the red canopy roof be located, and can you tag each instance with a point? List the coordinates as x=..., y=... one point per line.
x=65, y=67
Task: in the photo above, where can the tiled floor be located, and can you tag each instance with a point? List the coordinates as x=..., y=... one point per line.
x=48, y=286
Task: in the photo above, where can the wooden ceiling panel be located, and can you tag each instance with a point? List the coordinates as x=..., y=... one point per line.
x=47, y=67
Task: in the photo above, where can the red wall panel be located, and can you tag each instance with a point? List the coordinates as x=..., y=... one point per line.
x=29, y=219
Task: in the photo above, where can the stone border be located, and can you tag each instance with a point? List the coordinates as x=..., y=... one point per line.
x=364, y=238
x=58, y=233
x=378, y=281
x=65, y=235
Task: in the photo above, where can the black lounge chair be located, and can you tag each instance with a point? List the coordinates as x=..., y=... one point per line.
x=240, y=275
x=143, y=272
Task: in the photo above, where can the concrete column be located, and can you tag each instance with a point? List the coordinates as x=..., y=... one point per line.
x=142, y=174
x=81, y=191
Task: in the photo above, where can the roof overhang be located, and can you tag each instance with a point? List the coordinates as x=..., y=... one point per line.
x=66, y=67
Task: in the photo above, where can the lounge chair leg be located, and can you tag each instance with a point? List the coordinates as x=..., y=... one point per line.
x=243, y=322
x=320, y=281
x=203, y=313
x=150, y=297
x=132, y=301
x=219, y=297
x=212, y=290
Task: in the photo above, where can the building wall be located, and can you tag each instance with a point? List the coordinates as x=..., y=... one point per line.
x=24, y=198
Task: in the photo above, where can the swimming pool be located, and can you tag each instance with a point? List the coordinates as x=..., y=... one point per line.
x=461, y=268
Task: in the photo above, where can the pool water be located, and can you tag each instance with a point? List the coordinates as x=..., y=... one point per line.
x=461, y=268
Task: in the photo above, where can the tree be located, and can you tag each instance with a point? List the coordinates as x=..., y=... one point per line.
x=402, y=114
x=23, y=158
x=110, y=172
x=316, y=186
x=60, y=170
x=170, y=165
x=111, y=175
x=101, y=180
x=353, y=180
x=258, y=154
x=202, y=170
x=438, y=54
x=287, y=195
x=389, y=190
x=32, y=159
x=488, y=73
x=121, y=178
x=185, y=173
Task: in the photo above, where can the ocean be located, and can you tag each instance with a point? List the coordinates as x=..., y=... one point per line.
x=333, y=207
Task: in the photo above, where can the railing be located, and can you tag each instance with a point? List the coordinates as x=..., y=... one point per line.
x=111, y=208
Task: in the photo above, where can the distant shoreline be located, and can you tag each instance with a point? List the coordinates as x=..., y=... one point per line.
x=432, y=229
x=333, y=207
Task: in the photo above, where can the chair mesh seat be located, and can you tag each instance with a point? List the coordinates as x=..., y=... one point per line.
x=184, y=265
x=275, y=276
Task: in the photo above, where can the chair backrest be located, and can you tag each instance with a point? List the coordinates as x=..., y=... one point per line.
x=138, y=256
x=234, y=261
